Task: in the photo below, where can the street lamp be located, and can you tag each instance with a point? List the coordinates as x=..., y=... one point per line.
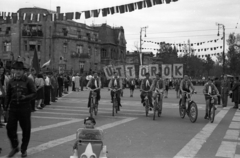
x=223, y=54
x=141, y=30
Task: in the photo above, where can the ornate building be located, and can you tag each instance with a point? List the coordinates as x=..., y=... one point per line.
x=70, y=46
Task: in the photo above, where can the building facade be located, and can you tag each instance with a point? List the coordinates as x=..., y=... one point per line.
x=70, y=46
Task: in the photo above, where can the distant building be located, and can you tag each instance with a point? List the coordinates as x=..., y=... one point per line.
x=71, y=46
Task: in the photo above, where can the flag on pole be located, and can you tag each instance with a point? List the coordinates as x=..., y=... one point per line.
x=35, y=62
x=46, y=64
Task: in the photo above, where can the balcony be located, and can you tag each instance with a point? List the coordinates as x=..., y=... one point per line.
x=32, y=33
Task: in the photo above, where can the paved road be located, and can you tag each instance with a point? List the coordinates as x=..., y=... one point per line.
x=131, y=134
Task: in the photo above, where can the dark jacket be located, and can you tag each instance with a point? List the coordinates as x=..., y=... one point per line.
x=217, y=83
x=60, y=81
x=20, y=92
x=236, y=92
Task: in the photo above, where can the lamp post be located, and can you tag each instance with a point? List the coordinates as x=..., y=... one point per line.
x=223, y=53
x=141, y=30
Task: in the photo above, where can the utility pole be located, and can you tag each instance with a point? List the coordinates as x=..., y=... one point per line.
x=141, y=30
x=223, y=53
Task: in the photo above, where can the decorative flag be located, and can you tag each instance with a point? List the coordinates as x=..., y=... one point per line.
x=104, y=12
x=77, y=15
x=69, y=16
x=96, y=13
x=122, y=9
x=149, y=3
x=87, y=14
x=46, y=64
x=131, y=7
x=60, y=16
x=35, y=62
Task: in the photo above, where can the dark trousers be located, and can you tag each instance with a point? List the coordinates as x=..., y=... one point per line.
x=219, y=100
x=60, y=90
x=97, y=97
x=118, y=93
x=47, y=95
x=53, y=94
x=224, y=99
x=24, y=119
x=73, y=86
x=33, y=104
x=143, y=94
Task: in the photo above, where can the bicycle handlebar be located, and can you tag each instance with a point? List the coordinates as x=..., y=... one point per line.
x=212, y=95
x=92, y=89
x=190, y=92
x=146, y=91
x=115, y=90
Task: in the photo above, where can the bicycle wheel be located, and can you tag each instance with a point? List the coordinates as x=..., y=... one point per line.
x=154, y=110
x=96, y=109
x=116, y=107
x=193, y=112
x=212, y=113
x=182, y=111
x=159, y=108
x=91, y=108
x=146, y=107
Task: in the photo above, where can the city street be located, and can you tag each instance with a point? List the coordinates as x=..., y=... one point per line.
x=130, y=134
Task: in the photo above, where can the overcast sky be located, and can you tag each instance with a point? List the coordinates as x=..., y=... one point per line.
x=173, y=23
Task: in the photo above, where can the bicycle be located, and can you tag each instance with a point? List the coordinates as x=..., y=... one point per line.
x=93, y=106
x=191, y=110
x=146, y=102
x=115, y=107
x=157, y=107
x=211, y=108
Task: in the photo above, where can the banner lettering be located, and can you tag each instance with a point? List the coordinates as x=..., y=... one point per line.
x=130, y=71
x=178, y=70
x=153, y=70
x=143, y=69
x=108, y=70
x=120, y=70
x=166, y=70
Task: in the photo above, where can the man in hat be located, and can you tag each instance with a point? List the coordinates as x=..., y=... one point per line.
x=146, y=89
x=20, y=92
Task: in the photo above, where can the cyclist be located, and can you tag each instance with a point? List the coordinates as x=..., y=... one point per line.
x=146, y=86
x=209, y=88
x=157, y=86
x=185, y=86
x=94, y=83
x=116, y=83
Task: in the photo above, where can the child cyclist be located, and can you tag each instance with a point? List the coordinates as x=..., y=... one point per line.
x=89, y=123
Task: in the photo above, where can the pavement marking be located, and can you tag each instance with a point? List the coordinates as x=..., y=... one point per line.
x=234, y=125
x=227, y=149
x=58, y=118
x=236, y=118
x=195, y=144
x=72, y=137
x=41, y=128
x=74, y=114
x=231, y=135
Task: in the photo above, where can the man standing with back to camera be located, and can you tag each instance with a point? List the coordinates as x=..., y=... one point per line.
x=20, y=92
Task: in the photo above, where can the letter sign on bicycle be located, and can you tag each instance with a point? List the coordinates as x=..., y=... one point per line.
x=153, y=70
x=130, y=71
x=108, y=70
x=177, y=70
x=166, y=70
x=143, y=69
x=120, y=70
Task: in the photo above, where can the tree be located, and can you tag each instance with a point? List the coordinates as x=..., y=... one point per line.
x=233, y=56
x=208, y=64
x=136, y=46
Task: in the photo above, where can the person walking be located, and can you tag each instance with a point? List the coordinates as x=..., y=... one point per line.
x=82, y=81
x=177, y=87
x=217, y=83
x=53, y=87
x=132, y=84
x=39, y=82
x=236, y=92
x=20, y=92
x=225, y=84
x=60, y=85
x=77, y=82
x=32, y=77
x=166, y=87
x=73, y=83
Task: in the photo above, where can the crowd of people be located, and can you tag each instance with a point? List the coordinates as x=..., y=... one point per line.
x=22, y=91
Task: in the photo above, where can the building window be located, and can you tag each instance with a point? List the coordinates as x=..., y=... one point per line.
x=65, y=48
x=89, y=51
x=88, y=36
x=39, y=48
x=79, y=34
x=96, y=37
x=25, y=46
x=8, y=30
x=32, y=47
x=0, y=29
x=65, y=31
x=79, y=50
x=103, y=53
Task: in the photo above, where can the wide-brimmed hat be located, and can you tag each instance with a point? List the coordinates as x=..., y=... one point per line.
x=18, y=65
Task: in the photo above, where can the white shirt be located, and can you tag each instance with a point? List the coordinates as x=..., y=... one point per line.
x=73, y=78
x=210, y=89
x=47, y=81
